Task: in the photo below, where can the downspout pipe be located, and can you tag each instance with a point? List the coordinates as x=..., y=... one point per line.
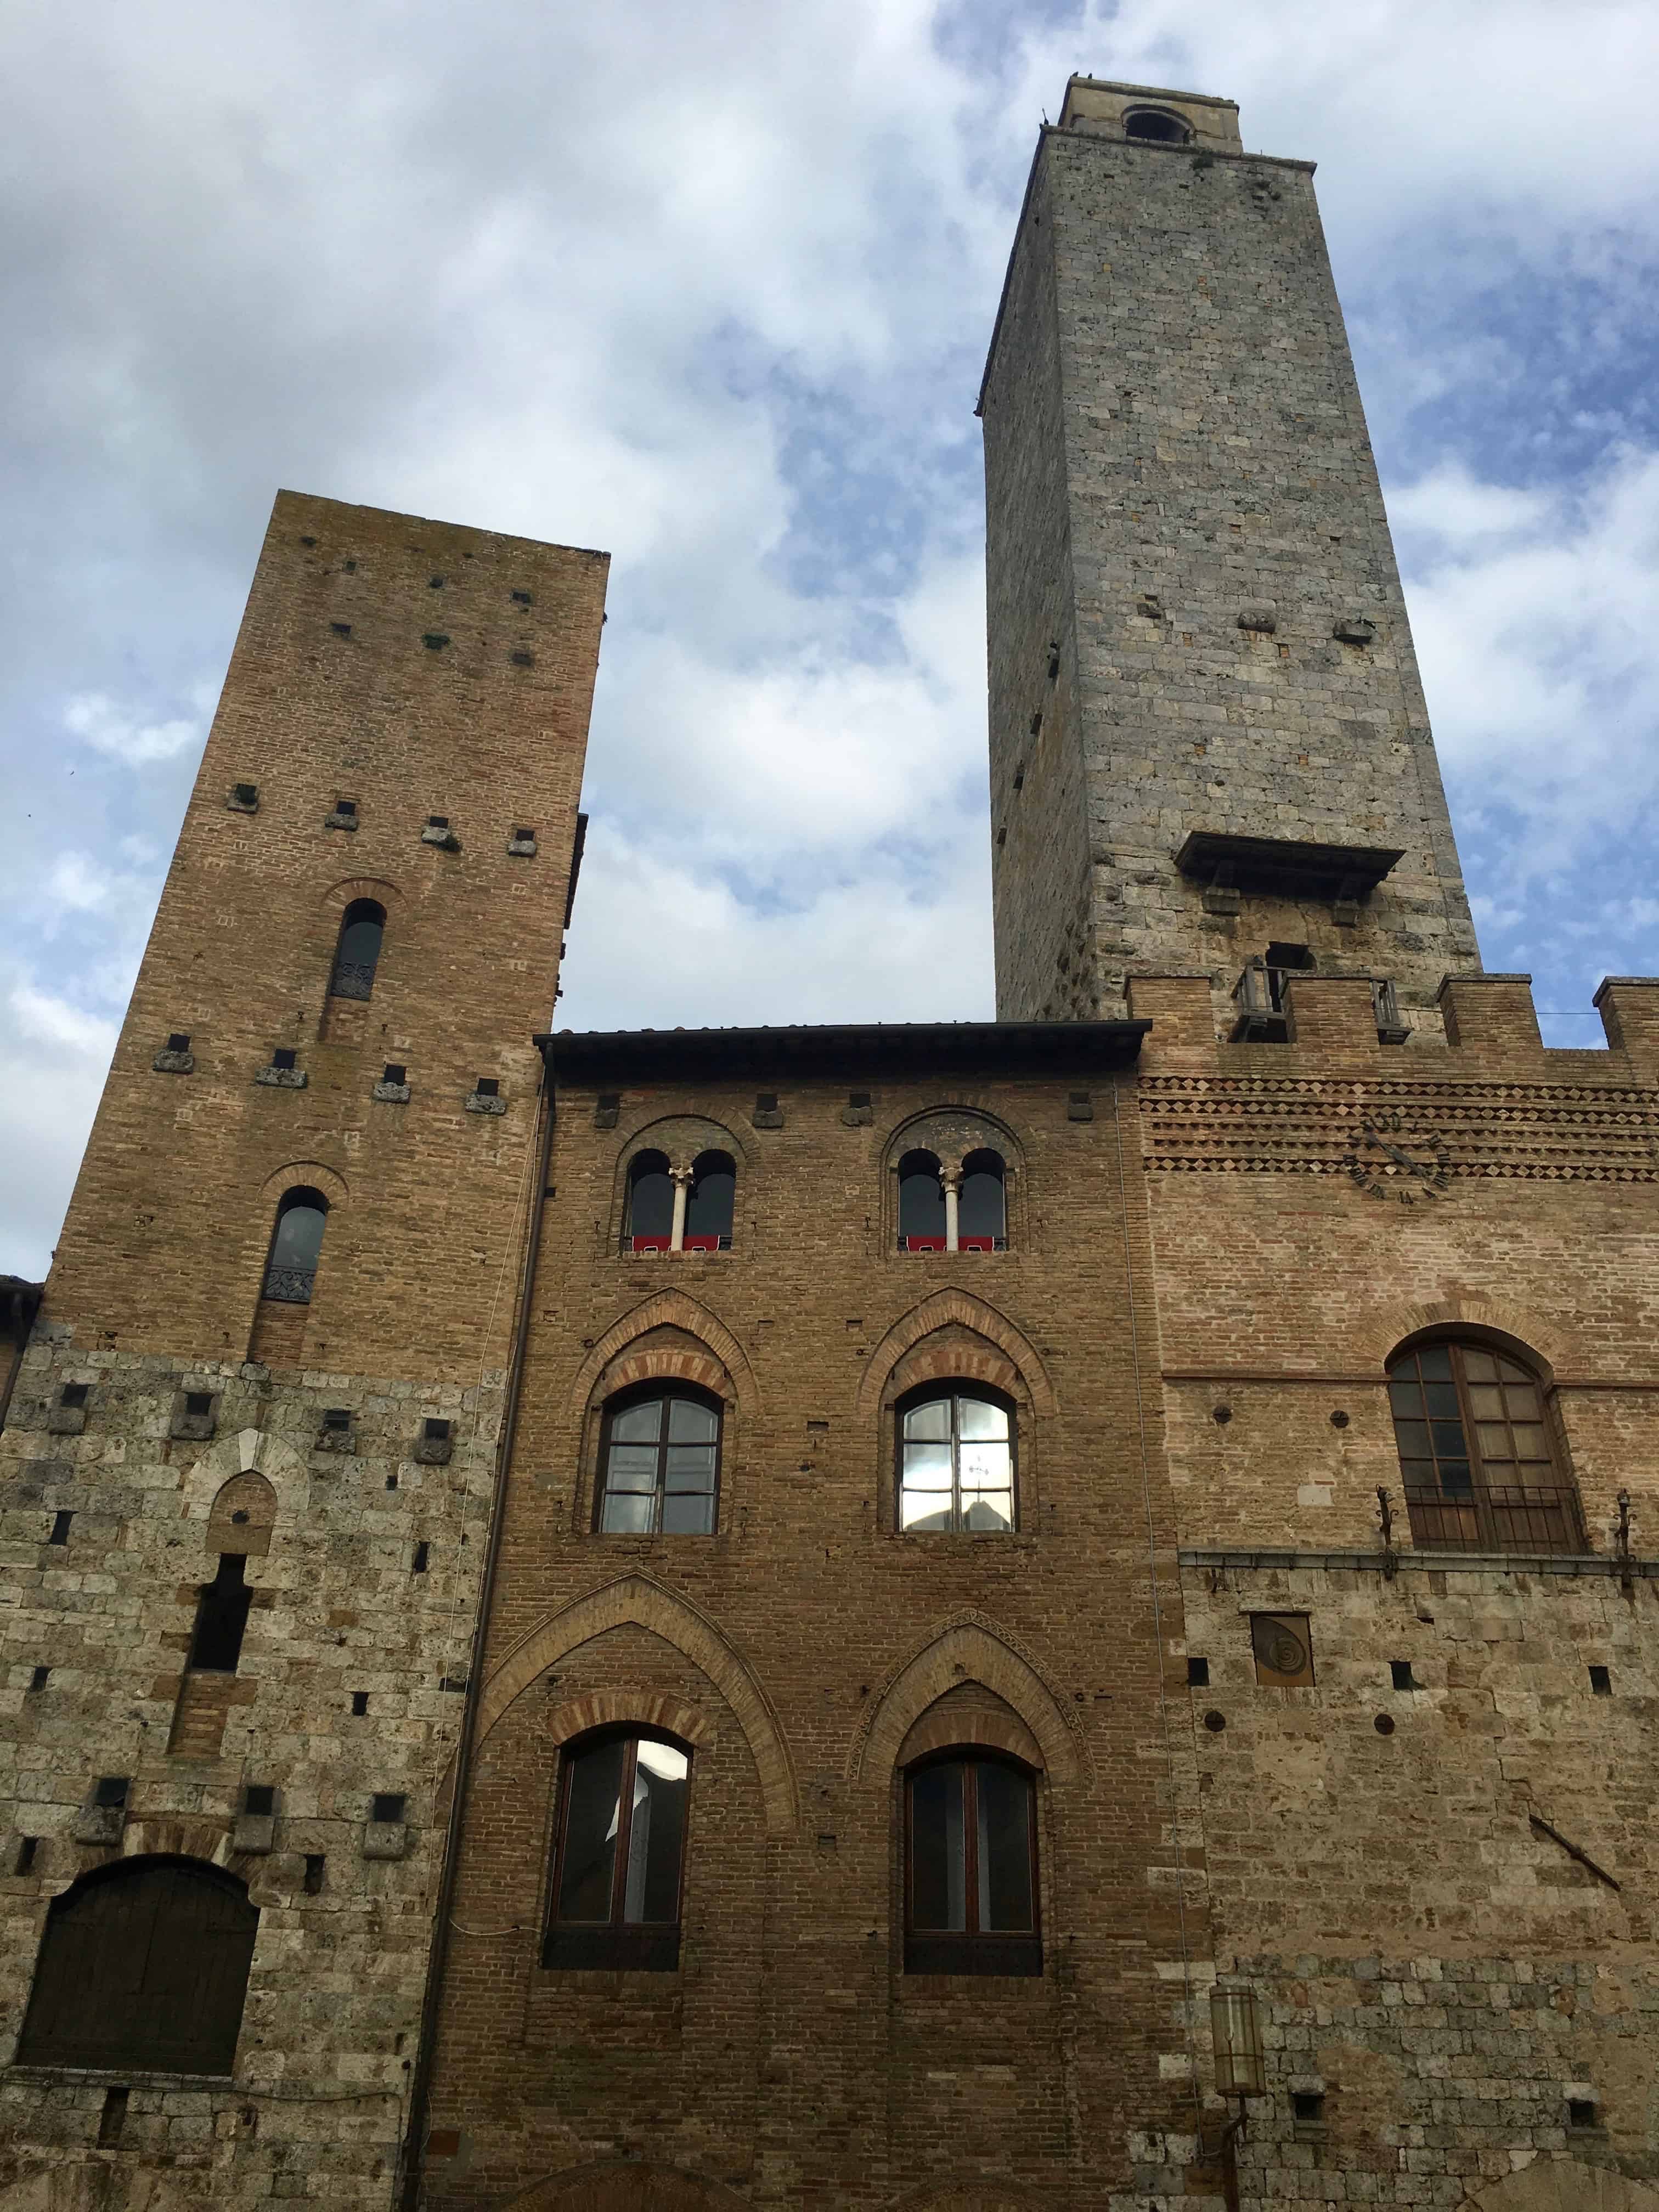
x=420, y=2088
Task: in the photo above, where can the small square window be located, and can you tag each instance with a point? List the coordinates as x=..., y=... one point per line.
x=522, y=600
x=341, y=629
x=259, y=1798
x=1282, y=1650
x=336, y=1418
x=391, y=1482
x=1582, y=2113
x=394, y=1071
x=388, y=1805
x=199, y=1404
x=858, y=1101
x=39, y=1678
x=437, y=1433
x=766, y=1102
x=522, y=659
x=523, y=837
x=345, y=806
x=1400, y=1675
x=314, y=1874
x=111, y=1791
x=75, y=1393
x=247, y=794
x=1307, y=2107
x=60, y=1527
x=1601, y=1682
x=1198, y=1674
x=487, y=1087
x=360, y=1703
x=437, y=822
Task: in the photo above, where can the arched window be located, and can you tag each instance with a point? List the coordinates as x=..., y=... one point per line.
x=921, y=1204
x=1154, y=127
x=357, y=955
x=660, y=1464
x=618, y=1854
x=222, y=1608
x=650, y=1221
x=296, y=1245
x=1476, y=1455
x=709, y=1202
x=145, y=1963
x=956, y=1469
x=970, y=1890
x=982, y=1221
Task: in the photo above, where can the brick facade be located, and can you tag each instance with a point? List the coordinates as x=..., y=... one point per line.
x=1426, y=1854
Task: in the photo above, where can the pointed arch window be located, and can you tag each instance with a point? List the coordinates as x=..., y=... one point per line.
x=357, y=952
x=296, y=1245
x=1480, y=1466
x=971, y=1874
x=956, y=1471
x=619, y=1853
x=145, y=1963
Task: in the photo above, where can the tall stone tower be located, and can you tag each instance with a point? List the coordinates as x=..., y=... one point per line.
x=247, y=1466
x=1208, y=739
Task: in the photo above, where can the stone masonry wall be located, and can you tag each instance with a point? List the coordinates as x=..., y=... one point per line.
x=1216, y=467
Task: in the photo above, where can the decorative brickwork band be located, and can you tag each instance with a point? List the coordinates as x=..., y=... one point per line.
x=647, y=1709
x=966, y=1650
x=941, y=1310
x=646, y=1604
x=668, y=1309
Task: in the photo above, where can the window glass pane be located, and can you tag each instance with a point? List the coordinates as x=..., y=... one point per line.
x=652, y=1891
x=1447, y=1439
x=921, y=1205
x=1455, y=1478
x=691, y=1467
x=638, y=1424
x=688, y=1513
x=979, y=1207
x=985, y=1467
x=1520, y=1401
x=1530, y=1442
x=1418, y=1473
x=927, y=1467
x=1494, y=1441
x=924, y=1508
x=360, y=942
x=650, y=1205
x=690, y=1423
x=933, y=1420
x=591, y=1821
x=1478, y=1366
x=1434, y=1362
x=1511, y=1373
x=988, y=1509
x=1412, y=1437
x=1487, y=1402
x=631, y=1467
x=628, y=1513
x=937, y=1862
x=710, y=1200
x=1005, y=1849
x=977, y=1417
x=299, y=1238
x=1441, y=1399
x=1405, y=1398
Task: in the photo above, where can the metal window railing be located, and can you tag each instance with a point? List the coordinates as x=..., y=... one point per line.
x=289, y=1286
x=1542, y=1517
x=352, y=979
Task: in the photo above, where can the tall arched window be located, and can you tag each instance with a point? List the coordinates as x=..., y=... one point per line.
x=296, y=1245
x=357, y=955
x=982, y=1221
x=650, y=1222
x=1476, y=1455
x=145, y=1963
x=955, y=1451
x=659, y=1458
x=970, y=1889
x=1154, y=127
x=709, y=1201
x=921, y=1204
x=618, y=1854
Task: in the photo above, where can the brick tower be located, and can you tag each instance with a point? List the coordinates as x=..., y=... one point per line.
x=1208, y=734
x=248, y=1459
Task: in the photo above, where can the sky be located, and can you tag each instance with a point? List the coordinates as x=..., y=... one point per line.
x=711, y=287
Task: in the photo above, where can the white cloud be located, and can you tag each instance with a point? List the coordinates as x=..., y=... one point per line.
x=95, y=718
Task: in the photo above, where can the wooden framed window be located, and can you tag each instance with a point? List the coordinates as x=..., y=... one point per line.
x=970, y=1874
x=1477, y=1457
x=619, y=1851
x=145, y=1963
x=660, y=1464
x=956, y=1461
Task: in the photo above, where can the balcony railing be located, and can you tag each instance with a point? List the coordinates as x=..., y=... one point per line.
x=352, y=979
x=1503, y=1517
x=289, y=1286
